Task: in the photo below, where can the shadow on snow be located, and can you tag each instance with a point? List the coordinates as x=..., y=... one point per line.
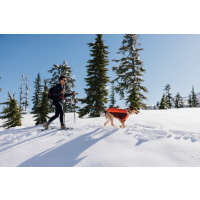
x=66, y=154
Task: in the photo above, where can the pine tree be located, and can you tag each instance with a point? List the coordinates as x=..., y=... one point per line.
x=129, y=72
x=43, y=108
x=190, y=101
x=11, y=113
x=195, y=101
x=178, y=101
x=163, y=103
x=112, y=97
x=64, y=70
x=96, y=79
x=44, y=104
x=169, y=98
x=37, y=95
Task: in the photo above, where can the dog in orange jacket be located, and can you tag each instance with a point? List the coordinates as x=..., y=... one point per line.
x=121, y=114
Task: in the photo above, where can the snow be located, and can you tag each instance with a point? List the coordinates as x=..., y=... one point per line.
x=153, y=138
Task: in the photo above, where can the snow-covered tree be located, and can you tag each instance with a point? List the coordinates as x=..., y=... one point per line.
x=43, y=108
x=65, y=70
x=96, y=79
x=11, y=112
x=37, y=95
x=178, y=101
x=195, y=101
x=182, y=105
x=163, y=103
x=169, y=98
x=129, y=72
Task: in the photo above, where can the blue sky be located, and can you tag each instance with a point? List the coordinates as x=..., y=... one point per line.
x=168, y=59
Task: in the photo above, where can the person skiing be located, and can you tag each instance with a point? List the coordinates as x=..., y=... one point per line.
x=58, y=94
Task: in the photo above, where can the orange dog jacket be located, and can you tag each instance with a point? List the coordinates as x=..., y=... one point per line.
x=119, y=113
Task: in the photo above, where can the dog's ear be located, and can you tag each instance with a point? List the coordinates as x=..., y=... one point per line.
x=131, y=107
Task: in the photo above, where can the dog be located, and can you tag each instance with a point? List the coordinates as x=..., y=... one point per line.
x=121, y=114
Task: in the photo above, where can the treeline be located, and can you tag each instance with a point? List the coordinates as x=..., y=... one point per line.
x=168, y=101
x=41, y=103
x=127, y=83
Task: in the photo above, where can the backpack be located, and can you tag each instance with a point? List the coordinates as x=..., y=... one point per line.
x=50, y=93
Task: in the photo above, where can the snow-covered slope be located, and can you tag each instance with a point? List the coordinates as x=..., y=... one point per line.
x=151, y=138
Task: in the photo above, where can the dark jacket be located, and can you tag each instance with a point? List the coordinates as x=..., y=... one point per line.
x=57, y=93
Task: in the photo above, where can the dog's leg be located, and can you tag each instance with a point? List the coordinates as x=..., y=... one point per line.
x=106, y=122
x=109, y=117
x=112, y=123
x=123, y=124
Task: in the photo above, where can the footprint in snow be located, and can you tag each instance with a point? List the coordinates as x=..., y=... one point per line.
x=194, y=138
x=169, y=136
x=141, y=140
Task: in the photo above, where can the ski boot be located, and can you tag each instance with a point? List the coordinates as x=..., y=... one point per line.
x=46, y=125
x=63, y=127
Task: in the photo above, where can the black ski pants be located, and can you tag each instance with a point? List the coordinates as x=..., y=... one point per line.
x=59, y=111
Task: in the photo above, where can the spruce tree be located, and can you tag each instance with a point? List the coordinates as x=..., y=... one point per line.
x=64, y=70
x=43, y=108
x=11, y=112
x=163, y=103
x=169, y=98
x=112, y=97
x=96, y=79
x=190, y=101
x=178, y=101
x=37, y=95
x=195, y=101
x=129, y=72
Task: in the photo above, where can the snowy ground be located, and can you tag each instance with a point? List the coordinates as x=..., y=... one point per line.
x=160, y=138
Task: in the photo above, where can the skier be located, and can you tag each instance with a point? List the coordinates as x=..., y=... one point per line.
x=58, y=94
